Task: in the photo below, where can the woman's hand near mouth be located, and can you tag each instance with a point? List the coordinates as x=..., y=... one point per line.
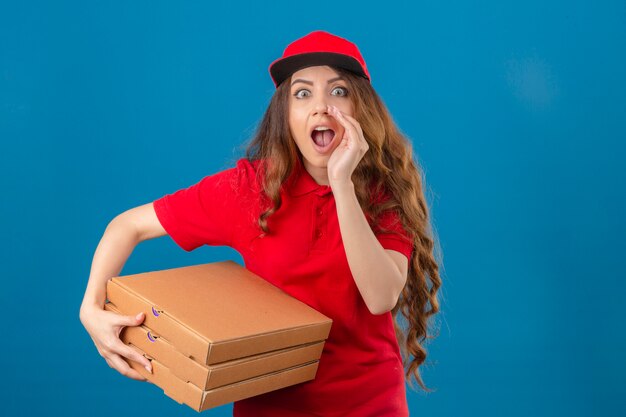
x=347, y=155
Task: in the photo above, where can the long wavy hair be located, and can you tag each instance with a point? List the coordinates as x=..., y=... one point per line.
x=389, y=167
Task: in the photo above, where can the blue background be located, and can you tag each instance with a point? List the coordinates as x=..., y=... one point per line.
x=517, y=115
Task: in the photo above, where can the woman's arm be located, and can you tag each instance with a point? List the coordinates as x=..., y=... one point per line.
x=379, y=274
x=121, y=236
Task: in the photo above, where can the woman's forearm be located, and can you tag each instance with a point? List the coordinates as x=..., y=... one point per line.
x=116, y=245
x=378, y=279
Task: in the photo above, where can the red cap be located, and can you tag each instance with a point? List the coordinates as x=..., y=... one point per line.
x=318, y=48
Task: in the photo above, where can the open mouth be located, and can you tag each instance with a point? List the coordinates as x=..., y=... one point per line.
x=322, y=139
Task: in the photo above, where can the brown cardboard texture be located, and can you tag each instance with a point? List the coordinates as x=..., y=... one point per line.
x=218, y=311
x=199, y=400
x=207, y=377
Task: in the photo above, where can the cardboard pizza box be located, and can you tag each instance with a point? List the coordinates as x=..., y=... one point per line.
x=217, y=312
x=200, y=400
x=208, y=377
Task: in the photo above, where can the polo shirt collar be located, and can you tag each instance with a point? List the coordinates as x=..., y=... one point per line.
x=301, y=182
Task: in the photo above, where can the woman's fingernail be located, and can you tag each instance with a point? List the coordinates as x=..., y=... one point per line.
x=148, y=369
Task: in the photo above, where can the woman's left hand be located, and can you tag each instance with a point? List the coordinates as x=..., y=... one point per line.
x=347, y=155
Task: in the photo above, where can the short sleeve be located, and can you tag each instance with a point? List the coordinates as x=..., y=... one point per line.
x=397, y=238
x=204, y=213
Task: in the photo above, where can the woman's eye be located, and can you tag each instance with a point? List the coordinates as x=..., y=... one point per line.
x=344, y=92
x=305, y=93
x=298, y=95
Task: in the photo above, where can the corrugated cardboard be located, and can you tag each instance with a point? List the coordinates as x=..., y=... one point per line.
x=199, y=400
x=218, y=311
x=208, y=377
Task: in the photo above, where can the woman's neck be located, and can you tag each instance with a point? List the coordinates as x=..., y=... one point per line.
x=319, y=174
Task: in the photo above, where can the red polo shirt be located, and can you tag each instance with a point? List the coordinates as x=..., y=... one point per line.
x=360, y=371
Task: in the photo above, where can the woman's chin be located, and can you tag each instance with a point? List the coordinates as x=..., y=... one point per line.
x=316, y=161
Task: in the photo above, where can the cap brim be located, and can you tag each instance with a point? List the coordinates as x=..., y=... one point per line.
x=281, y=69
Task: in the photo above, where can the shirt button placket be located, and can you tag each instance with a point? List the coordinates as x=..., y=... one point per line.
x=320, y=224
x=320, y=221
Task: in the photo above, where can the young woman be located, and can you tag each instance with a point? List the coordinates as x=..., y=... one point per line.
x=327, y=205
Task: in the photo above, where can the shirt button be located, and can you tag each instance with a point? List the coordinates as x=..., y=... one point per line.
x=319, y=234
x=319, y=212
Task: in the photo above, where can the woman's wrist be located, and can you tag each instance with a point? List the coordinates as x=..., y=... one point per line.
x=89, y=305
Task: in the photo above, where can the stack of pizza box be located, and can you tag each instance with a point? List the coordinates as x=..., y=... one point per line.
x=217, y=333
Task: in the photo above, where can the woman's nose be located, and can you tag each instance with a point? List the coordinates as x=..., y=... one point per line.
x=320, y=106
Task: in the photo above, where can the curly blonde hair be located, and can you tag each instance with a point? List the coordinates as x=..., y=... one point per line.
x=388, y=166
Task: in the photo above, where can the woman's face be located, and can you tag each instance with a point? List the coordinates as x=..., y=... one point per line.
x=312, y=90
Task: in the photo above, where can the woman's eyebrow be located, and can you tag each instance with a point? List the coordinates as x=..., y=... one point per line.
x=300, y=80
